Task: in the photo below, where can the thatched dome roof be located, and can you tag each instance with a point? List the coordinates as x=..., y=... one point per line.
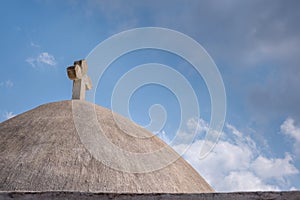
x=40, y=150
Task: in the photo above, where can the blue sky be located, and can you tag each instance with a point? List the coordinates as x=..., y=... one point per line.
x=255, y=44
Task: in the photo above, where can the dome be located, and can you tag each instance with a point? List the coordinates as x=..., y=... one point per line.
x=42, y=151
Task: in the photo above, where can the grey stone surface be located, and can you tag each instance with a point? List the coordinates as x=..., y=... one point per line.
x=81, y=81
x=295, y=195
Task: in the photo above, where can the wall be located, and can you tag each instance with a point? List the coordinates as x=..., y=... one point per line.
x=293, y=195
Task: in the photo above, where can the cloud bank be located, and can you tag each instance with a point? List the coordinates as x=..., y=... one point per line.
x=237, y=164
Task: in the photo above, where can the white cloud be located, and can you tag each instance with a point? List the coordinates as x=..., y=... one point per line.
x=235, y=164
x=288, y=128
x=234, y=130
x=293, y=189
x=184, y=138
x=31, y=61
x=46, y=58
x=274, y=167
x=197, y=124
x=7, y=84
x=43, y=58
x=34, y=45
x=246, y=181
x=163, y=136
x=8, y=115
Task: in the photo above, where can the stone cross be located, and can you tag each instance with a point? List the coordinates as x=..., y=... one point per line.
x=81, y=82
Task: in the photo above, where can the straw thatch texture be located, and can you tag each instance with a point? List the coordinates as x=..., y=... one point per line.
x=40, y=150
